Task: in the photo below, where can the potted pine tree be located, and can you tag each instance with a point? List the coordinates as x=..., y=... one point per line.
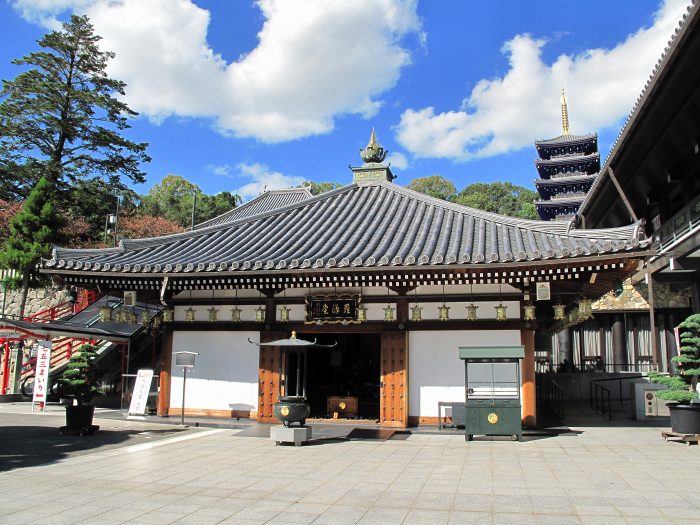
x=683, y=388
x=79, y=383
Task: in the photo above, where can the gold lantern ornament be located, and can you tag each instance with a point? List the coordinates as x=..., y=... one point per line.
x=235, y=314
x=471, y=312
x=213, y=314
x=131, y=317
x=189, y=314
x=105, y=314
x=121, y=316
x=260, y=314
x=585, y=307
x=155, y=323
x=559, y=312
x=529, y=312
x=168, y=315
x=501, y=312
x=444, y=312
x=362, y=314
x=284, y=314
x=145, y=318
x=389, y=313
x=416, y=313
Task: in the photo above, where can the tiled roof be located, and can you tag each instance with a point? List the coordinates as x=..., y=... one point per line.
x=377, y=224
x=269, y=200
x=574, y=159
x=565, y=181
x=567, y=139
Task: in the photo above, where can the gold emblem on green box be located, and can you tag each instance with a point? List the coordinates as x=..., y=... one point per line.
x=493, y=418
x=284, y=411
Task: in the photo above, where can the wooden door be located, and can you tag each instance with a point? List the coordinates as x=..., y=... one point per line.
x=393, y=394
x=268, y=376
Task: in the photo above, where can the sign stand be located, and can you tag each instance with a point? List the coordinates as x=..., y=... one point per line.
x=41, y=375
x=185, y=360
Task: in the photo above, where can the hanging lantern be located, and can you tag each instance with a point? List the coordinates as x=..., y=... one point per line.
x=168, y=315
x=213, y=313
x=444, y=312
x=471, y=312
x=260, y=314
x=501, y=312
x=131, y=317
x=416, y=313
x=121, y=316
x=389, y=313
x=145, y=318
x=362, y=314
x=284, y=314
x=105, y=314
x=235, y=314
x=529, y=312
x=155, y=322
x=559, y=313
x=189, y=314
x=585, y=307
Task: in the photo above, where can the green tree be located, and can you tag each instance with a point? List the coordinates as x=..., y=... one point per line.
x=33, y=230
x=79, y=379
x=435, y=186
x=499, y=197
x=173, y=197
x=61, y=118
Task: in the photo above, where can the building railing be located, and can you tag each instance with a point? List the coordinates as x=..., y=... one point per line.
x=684, y=221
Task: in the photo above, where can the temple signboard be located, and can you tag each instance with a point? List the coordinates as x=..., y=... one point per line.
x=332, y=309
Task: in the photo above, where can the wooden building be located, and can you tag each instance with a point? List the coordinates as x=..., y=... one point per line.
x=399, y=279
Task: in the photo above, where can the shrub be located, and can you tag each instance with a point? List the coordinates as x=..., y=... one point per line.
x=79, y=379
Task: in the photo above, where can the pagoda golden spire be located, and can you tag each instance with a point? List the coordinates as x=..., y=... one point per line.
x=564, y=114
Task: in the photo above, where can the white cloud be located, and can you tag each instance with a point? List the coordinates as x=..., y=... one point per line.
x=262, y=178
x=509, y=113
x=315, y=60
x=220, y=170
x=398, y=160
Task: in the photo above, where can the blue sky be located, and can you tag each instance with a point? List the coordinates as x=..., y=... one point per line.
x=236, y=95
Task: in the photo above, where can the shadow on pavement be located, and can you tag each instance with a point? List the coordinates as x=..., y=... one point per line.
x=26, y=446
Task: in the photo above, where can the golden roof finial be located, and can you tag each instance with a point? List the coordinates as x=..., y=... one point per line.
x=564, y=114
x=372, y=144
x=374, y=152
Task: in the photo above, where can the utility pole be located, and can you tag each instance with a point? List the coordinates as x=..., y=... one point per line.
x=116, y=222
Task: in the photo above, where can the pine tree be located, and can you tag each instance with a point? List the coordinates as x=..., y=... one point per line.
x=33, y=230
x=61, y=118
x=684, y=386
x=79, y=379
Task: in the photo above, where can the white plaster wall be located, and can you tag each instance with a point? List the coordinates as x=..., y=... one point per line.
x=435, y=372
x=226, y=373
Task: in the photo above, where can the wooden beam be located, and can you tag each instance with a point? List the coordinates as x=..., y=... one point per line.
x=528, y=378
x=622, y=195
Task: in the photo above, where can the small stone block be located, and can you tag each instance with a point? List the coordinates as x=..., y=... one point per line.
x=297, y=435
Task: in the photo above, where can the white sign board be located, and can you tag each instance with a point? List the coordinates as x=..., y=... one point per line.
x=139, y=396
x=542, y=291
x=41, y=374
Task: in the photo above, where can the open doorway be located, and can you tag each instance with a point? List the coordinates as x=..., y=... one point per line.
x=343, y=381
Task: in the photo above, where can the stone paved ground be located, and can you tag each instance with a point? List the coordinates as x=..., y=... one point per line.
x=620, y=474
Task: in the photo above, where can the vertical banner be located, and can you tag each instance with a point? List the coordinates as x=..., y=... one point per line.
x=139, y=397
x=41, y=374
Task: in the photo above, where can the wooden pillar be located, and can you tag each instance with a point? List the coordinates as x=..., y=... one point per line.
x=527, y=339
x=653, y=335
x=165, y=372
x=619, y=345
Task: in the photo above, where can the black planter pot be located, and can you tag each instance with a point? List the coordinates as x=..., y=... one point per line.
x=79, y=416
x=292, y=409
x=685, y=419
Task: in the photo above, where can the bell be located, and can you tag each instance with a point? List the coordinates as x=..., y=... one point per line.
x=471, y=312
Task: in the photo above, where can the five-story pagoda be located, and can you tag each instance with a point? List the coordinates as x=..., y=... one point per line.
x=567, y=166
